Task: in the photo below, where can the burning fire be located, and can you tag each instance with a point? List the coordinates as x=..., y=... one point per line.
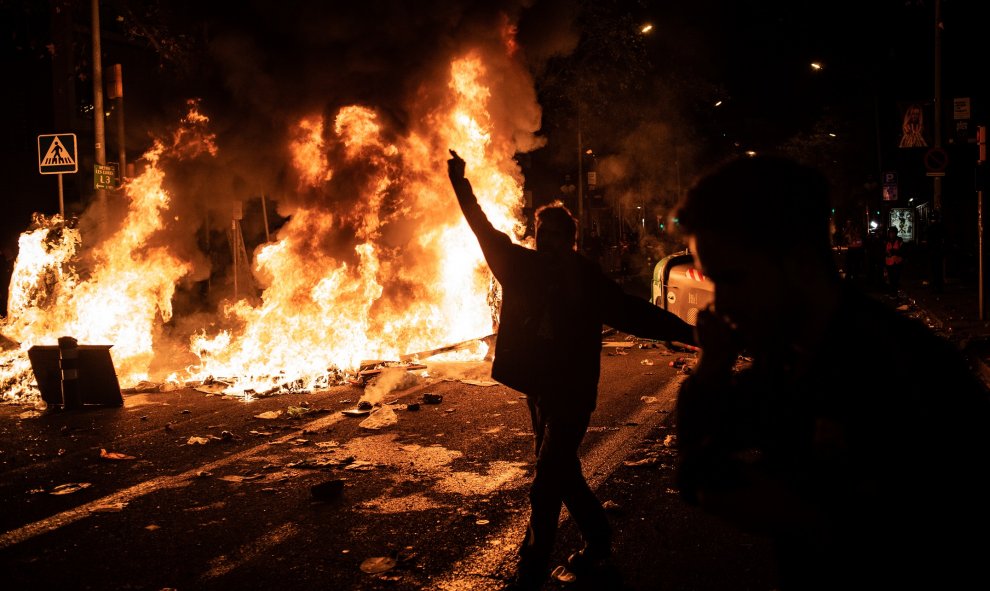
x=412, y=278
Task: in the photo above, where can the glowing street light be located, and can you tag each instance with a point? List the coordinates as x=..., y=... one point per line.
x=816, y=66
x=646, y=29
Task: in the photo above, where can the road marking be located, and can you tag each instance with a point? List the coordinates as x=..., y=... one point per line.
x=223, y=564
x=121, y=498
x=127, y=495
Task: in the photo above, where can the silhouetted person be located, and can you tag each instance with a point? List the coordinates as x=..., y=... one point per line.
x=554, y=304
x=850, y=434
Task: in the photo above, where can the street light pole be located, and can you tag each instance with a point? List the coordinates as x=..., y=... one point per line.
x=937, y=180
x=98, y=120
x=580, y=181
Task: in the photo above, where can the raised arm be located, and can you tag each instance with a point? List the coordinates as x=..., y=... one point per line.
x=493, y=242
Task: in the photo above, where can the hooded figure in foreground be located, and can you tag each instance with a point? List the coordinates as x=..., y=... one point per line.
x=857, y=439
x=554, y=305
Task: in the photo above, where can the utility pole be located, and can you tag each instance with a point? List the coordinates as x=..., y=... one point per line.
x=98, y=123
x=580, y=182
x=981, y=172
x=116, y=92
x=264, y=213
x=937, y=180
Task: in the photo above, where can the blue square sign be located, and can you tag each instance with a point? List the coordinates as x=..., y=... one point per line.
x=57, y=153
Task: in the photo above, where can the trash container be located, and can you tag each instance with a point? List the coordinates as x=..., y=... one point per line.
x=680, y=288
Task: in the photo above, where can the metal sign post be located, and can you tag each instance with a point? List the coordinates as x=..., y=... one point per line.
x=981, y=162
x=58, y=154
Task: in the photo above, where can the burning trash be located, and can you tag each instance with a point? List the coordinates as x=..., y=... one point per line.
x=368, y=259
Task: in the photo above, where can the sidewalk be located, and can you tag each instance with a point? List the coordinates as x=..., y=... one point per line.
x=952, y=313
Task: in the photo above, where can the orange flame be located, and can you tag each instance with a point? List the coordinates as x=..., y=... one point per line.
x=319, y=312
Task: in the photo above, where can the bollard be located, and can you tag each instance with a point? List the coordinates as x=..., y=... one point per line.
x=68, y=358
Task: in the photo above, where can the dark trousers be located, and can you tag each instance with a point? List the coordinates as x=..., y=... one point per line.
x=559, y=481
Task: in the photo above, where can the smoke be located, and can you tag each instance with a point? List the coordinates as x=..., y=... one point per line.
x=389, y=380
x=265, y=67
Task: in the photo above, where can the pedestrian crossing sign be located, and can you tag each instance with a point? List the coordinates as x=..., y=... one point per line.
x=57, y=153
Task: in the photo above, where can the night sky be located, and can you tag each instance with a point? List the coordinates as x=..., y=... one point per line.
x=256, y=66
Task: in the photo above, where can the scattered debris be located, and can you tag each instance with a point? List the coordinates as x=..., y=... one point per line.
x=359, y=466
x=364, y=405
x=365, y=374
x=355, y=412
x=142, y=387
x=412, y=406
x=29, y=414
x=69, y=488
x=670, y=441
x=193, y=440
x=431, y=398
x=482, y=383
x=640, y=463
x=481, y=522
x=152, y=527
x=112, y=455
x=214, y=386
x=378, y=564
x=315, y=464
x=298, y=412
x=648, y=399
x=272, y=414
x=611, y=506
x=383, y=416
x=618, y=344
x=646, y=362
x=445, y=349
x=239, y=478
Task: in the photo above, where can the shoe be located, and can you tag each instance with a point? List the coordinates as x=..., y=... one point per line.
x=588, y=560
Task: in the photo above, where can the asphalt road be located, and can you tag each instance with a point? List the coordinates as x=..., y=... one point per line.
x=201, y=491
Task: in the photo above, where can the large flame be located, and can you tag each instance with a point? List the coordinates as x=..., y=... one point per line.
x=319, y=313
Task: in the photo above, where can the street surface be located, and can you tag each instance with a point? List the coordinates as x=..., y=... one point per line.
x=190, y=490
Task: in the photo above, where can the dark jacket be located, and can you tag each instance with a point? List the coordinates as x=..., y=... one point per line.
x=553, y=308
x=884, y=436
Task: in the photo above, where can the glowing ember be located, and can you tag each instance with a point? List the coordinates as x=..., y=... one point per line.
x=410, y=276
